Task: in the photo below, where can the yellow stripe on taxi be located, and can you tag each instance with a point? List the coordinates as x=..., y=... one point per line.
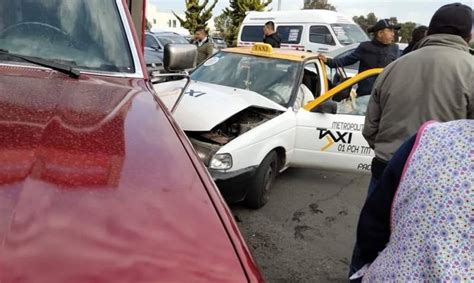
x=350, y=82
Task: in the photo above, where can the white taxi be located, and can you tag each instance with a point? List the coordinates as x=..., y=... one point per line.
x=252, y=112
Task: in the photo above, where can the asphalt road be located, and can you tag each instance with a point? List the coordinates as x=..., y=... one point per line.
x=306, y=231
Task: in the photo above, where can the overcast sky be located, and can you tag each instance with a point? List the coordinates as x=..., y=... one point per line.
x=419, y=11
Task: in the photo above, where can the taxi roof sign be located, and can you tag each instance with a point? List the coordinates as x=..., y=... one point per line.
x=262, y=48
x=277, y=53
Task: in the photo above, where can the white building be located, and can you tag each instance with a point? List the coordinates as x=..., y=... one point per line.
x=162, y=21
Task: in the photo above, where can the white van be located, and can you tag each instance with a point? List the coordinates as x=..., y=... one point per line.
x=310, y=30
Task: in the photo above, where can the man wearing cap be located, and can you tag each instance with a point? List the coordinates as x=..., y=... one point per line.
x=433, y=82
x=377, y=53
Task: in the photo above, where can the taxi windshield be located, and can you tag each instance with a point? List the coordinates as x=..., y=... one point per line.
x=85, y=34
x=272, y=78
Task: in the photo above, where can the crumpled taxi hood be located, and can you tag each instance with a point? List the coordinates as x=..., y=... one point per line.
x=205, y=105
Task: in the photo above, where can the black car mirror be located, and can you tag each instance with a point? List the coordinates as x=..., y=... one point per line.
x=179, y=57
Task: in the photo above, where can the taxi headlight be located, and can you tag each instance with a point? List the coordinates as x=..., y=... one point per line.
x=205, y=151
x=221, y=161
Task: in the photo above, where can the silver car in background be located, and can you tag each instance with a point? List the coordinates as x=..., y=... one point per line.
x=219, y=42
x=155, y=44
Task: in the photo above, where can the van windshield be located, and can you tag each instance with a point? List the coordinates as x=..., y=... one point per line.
x=86, y=34
x=273, y=78
x=349, y=33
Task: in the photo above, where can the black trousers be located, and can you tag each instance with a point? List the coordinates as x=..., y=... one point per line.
x=378, y=166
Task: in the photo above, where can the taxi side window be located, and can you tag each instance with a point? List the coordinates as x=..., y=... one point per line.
x=353, y=105
x=311, y=79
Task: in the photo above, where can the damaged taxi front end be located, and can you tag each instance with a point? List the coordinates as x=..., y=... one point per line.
x=232, y=119
x=208, y=143
x=251, y=112
x=223, y=150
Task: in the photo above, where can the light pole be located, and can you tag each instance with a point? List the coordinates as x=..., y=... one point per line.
x=279, y=5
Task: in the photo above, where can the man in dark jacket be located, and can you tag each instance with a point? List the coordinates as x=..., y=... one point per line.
x=204, y=46
x=418, y=34
x=433, y=82
x=377, y=53
x=271, y=37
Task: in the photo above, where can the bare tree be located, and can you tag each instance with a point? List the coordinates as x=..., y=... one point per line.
x=236, y=13
x=365, y=22
x=197, y=15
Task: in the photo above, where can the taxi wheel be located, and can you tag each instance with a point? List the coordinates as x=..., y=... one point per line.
x=262, y=182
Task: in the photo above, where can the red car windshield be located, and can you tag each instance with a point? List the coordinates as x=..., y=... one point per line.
x=78, y=32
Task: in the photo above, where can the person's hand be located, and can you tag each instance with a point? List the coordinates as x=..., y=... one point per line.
x=322, y=58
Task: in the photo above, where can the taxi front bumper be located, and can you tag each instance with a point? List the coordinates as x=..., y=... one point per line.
x=234, y=185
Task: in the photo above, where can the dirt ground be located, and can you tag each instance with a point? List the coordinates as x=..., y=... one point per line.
x=306, y=232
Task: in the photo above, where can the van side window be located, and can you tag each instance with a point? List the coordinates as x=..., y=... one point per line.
x=321, y=35
x=290, y=34
x=252, y=33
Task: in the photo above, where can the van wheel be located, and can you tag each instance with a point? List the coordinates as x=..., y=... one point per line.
x=262, y=182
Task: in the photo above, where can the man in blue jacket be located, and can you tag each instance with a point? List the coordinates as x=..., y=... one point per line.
x=377, y=53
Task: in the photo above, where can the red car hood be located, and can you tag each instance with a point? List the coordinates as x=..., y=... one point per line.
x=95, y=186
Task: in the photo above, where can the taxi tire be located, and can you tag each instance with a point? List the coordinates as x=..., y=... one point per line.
x=262, y=182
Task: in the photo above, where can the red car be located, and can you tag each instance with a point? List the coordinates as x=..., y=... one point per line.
x=97, y=182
